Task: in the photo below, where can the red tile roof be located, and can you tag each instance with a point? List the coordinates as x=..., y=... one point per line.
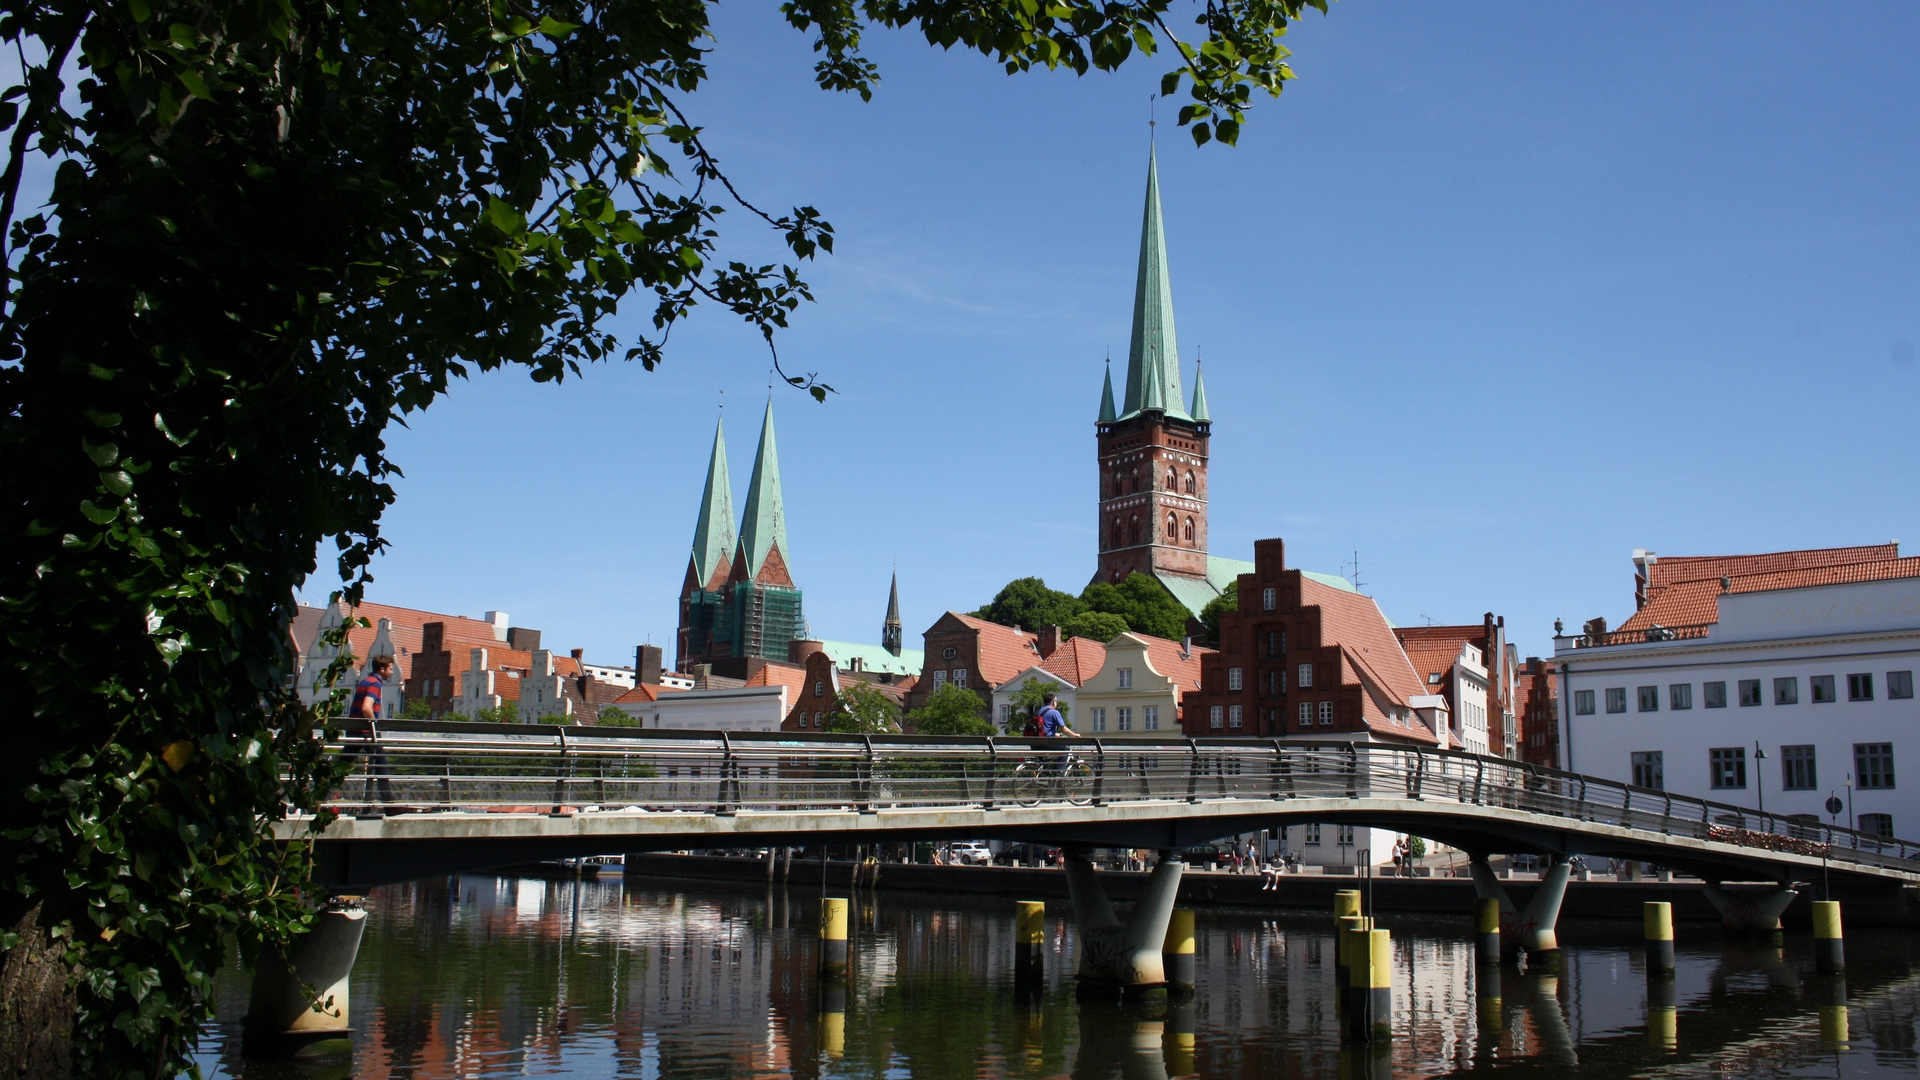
x=1004, y=651
x=1355, y=623
x=1697, y=602
x=1676, y=569
x=1433, y=649
x=1076, y=660
x=1165, y=657
x=566, y=665
x=780, y=673
x=643, y=692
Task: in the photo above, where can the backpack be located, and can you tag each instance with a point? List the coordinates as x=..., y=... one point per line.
x=1033, y=730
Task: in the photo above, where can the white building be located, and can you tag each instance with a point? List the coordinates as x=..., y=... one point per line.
x=1774, y=682
x=744, y=708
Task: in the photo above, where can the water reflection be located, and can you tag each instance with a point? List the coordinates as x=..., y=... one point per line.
x=490, y=977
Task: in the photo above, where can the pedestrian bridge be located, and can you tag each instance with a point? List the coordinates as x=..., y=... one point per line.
x=428, y=798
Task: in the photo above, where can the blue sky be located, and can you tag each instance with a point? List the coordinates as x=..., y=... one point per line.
x=1493, y=294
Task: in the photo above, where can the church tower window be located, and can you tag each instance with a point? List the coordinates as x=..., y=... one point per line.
x=1173, y=480
x=1173, y=528
x=1188, y=532
x=1190, y=482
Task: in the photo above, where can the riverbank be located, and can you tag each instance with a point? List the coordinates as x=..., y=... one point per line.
x=1887, y=906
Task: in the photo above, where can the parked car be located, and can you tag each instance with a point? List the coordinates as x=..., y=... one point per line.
x=970, y=853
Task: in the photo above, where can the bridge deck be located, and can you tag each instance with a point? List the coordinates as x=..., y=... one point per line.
x=428, y=798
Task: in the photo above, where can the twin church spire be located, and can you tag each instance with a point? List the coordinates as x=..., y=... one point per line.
x=1153, y=355
x=718, y=550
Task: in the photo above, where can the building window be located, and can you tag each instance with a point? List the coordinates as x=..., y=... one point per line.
x=1191, y=485
x=1649, y=769
x=1123, y=718
x=1649, y=699
x=1306, y=714
x=1233, y=678
x=1269, y=597
x=1345, y=836
x=1680, y=696
x=1173, y=480
x=1873, y=765
x=1173, y=528
x=1305, y=677
x=1727, y=766
x=1326, y=712
x=1860, y=687
x=1099, y=719
x=1749, y=692
x=960, y=677
x=939, y=678
x=1583, y=702
x=1899, y=685
x=1797, y=771
x=1715, y=694
x=1233, y=716
x=1820, y=687
x=1217, y=717
x=1877, y=824
x=1126, y=678
x=1150, y=718
x=803, y=718
x=1313, y=836
x=1187, y=531
x=1786, y=691
x=819, y=688
x=1006, y=718
x=1617, y=699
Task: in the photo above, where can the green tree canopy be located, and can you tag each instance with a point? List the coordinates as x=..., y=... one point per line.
x=1095, y=626
x=276, y=227
x=1027, y=602
x=1144, y=603
x=951, y=710
x=613, y=716
x=1216, y=607
x=1027, y=699
x=863, y=710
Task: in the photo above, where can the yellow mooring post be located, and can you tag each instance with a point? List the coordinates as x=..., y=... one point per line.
x=1029, y=940
x=1657, y=918
x=1663, y=1012
x=1486, y=931
x=1346, y=902
x=1176, y=953
x=1486, y=992
x=833, y=1018
x=1343, y=957
x=1832, y=995
x=1370, y=975
x=1829, y=946
x=833, y=936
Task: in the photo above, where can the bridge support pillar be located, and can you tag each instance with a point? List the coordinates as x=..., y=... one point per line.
x=1117, y=958
x=1533, y=929
x=1750, y=912
x=296, y=1006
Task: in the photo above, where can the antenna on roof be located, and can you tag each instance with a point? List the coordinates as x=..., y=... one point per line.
x=1427, y=617
x=1355, y=566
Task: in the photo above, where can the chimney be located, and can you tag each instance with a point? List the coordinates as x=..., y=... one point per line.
x=800, y=648
x=577, y=652
x=499, y=619
x=1049, y=641
x=523, y=639
x=1643, y=561
x=646, y=664
x=1186, y=648
x=700, y=673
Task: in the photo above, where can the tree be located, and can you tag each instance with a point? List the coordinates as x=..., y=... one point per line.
x=1210, y=615
x=612, y=716
x=276, y=228
x=1144, y=603
x=951, y=710
x=1027, y=602
x=1027, y=701
x=1095, y=626
x=862, y=710
x=417, y=709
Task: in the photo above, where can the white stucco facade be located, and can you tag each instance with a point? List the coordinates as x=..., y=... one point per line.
x=1819, y=680
x=1128, y=697
x=1011, y=719
x=747, y=708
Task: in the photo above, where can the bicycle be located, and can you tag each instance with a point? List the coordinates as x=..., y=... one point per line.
x=1037, y=778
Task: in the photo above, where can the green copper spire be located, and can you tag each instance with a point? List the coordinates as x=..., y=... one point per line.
x=1200, y=395
x=713, y=536
x=765, y=527
x=1153, y=359
x=1107, y=415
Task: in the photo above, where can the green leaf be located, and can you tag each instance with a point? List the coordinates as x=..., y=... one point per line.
x=190, y=79
x=555, y=28
x=501, y=215
x=97, y=515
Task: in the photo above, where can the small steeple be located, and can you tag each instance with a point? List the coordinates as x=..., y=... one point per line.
x=1107, y=415
x=765, y=525
x=1199, y=395
x=714, y=535
x=1153, y=357
x=890, y=632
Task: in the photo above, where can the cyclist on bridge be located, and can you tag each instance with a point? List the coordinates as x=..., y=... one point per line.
x=1047, y=723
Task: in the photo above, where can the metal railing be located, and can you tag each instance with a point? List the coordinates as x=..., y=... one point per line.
x=402, y=767
x=1641, y=636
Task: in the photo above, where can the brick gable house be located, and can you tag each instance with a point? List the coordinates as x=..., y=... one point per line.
x=1303, y=659
x=974, y=654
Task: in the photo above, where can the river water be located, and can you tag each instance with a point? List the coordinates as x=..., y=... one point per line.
x=495, y=977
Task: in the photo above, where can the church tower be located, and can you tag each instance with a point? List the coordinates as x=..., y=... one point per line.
x=1153, y=447
x=890, y=631
x=707, y=570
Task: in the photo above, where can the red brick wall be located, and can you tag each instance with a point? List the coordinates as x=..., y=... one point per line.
x=1135, y=457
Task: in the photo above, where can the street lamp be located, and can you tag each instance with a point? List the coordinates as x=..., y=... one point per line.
x=1759, y=775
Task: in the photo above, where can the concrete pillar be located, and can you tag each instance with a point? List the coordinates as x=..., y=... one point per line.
x=298, y=1003
x=1549, y=1023
x=1829, y=944
x=1656, y=917
x=1663, y=1013
x=833, y=936
x=1029, y=941
x=1116, y=957
x=1177, y=953
x=1486, y=931
x=1750, y=912
x=1533, y=929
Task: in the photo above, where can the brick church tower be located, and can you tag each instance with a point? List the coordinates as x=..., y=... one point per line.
x=1153, y=450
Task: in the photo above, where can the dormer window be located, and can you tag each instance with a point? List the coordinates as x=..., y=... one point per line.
x=1126, y=678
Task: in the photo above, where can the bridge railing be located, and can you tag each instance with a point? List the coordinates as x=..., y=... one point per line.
x=425, y=766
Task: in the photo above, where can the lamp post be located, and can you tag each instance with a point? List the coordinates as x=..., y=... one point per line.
x=1759, y=775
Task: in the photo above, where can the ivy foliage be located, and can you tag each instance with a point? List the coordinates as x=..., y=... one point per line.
x=277, y=227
